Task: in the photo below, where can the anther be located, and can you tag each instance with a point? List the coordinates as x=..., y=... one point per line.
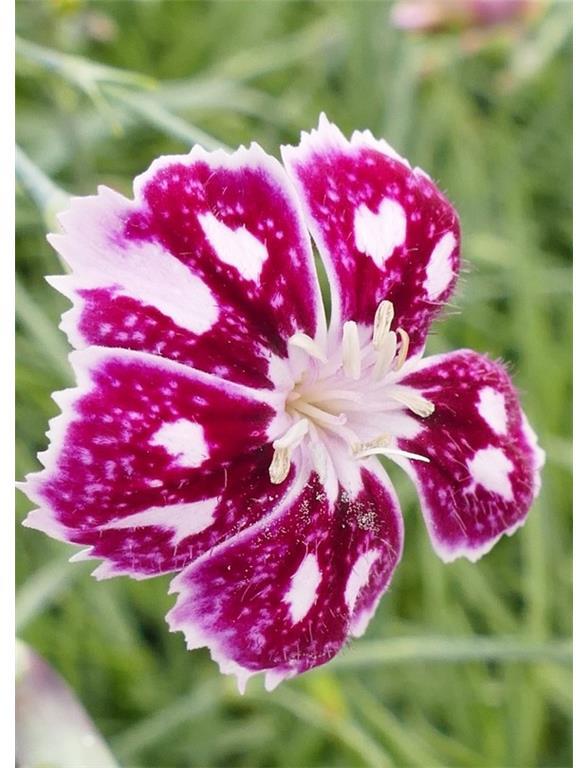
x=382, y=322
x=413, y=401
x=280, y=466
x=381, y=441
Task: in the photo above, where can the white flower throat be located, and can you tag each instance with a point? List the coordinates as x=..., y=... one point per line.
x=330, y=396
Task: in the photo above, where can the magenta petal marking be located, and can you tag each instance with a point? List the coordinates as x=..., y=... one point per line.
x=209, y=265
x=152, y=463
x=383, y=229
x=484, y=469
x=284, y=596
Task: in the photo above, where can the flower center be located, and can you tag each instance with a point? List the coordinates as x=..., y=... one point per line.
x=336, y=396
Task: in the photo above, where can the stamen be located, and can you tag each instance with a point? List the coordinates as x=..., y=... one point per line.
x=326, y=404
x=386, y=451
x=351, y=350
x=385, y=356
x=403, y=351
x=283, y=447
x=413, y=401
x=293, y=437
x=382, y=322
x=303, y=341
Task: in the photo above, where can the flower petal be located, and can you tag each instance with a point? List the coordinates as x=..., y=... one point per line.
x=209, y=265
x=284, y=596
x=484, y=459
x=383, y=229
x=151, y=463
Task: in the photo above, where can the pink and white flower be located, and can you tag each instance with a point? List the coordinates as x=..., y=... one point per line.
x=222, y=430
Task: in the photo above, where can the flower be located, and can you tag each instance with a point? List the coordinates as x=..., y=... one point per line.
x=221, y=429
x=433, y=15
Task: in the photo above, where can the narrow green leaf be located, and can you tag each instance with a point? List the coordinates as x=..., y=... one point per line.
x=451, y=650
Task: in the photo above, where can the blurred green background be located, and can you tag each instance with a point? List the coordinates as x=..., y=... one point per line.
x=464, y=664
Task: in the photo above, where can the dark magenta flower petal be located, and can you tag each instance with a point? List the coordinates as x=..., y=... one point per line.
x=383, y=229
x=484, y=459
x=152, y=463
x=284, y=596
x=209, y=265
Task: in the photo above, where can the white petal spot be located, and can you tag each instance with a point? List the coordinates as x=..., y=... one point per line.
x=492, y=408
x=303, y=587
x=100, y=256
x=378, y=234
x=236, y=247
x=490, y=469
x=185, y=440
x=152, y=276
x=440, y=268
x=359, y=576
x=184, y=519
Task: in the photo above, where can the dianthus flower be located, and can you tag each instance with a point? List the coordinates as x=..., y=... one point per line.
x=221, y=429
x=434, y=15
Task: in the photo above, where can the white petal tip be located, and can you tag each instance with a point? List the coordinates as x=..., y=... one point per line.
x=273, y=677
x=82, y=556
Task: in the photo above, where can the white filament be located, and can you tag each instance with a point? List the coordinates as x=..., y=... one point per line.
x=351, y=351
x=303, y=341
x=387, y=451
x=293, y=436
x=386, y=353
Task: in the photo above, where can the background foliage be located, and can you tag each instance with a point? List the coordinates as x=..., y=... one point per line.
x=463, y=664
